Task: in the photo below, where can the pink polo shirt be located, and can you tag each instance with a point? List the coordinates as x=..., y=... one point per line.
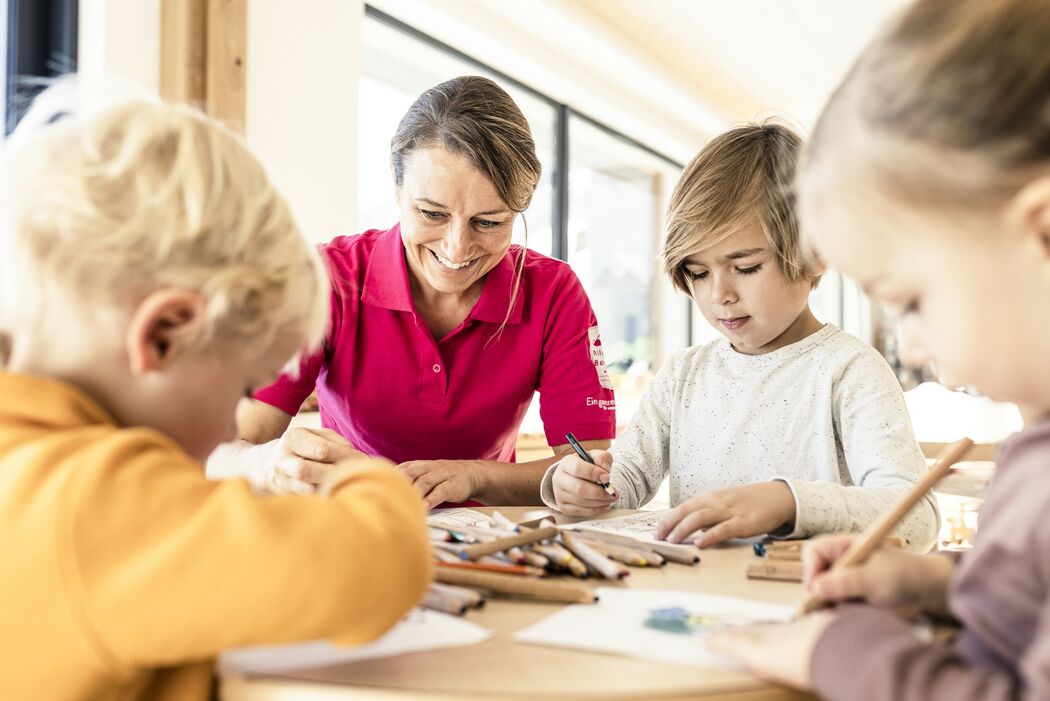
x=386, y=385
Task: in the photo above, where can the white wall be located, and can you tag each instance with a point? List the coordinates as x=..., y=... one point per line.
x=303, y=67
x=302, y=70
x=120, y=38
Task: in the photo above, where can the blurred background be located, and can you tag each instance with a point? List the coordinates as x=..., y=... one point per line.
x=620, y=95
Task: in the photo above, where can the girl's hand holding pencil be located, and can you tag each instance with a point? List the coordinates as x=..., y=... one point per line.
x=581, y=486
x=888, y=578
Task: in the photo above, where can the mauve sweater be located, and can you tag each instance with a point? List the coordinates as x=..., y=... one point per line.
x=998, y=594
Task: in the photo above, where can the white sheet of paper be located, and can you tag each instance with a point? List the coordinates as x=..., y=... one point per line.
x=641, y=525
x=458, y=517
x=616, y=625
x=420, y=630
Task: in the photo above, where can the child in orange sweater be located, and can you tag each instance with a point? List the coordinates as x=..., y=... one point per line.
x=151, y=278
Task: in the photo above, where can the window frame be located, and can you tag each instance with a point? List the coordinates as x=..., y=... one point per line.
x=562, y=114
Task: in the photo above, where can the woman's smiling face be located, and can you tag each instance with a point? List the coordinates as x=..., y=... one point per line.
x=454, y=226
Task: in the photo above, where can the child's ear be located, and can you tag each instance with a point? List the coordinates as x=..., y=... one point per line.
x=1029, y=215
x=161, y=327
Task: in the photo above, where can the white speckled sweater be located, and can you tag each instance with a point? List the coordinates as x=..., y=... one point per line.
x=825, y=415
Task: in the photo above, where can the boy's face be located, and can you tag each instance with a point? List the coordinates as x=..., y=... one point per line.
x=194, y=400
x=970, y=295
x=741, y=291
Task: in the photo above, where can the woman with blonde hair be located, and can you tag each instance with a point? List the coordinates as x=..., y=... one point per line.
x=441, y=330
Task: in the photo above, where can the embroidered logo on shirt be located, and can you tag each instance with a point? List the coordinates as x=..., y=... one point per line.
x=598, y=357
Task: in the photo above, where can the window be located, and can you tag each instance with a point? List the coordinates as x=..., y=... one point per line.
x=618, y=194
x=395, y=69
x=39, y=43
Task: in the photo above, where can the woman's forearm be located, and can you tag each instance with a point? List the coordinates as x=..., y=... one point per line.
x=518, y=483
x=510, y=483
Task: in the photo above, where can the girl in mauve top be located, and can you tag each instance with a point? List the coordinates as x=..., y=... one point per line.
x=928, y=181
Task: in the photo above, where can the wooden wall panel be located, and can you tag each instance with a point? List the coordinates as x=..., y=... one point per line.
x=225, y=78
x=202, y=56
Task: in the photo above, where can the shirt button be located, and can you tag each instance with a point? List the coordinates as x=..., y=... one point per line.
x=436, y=368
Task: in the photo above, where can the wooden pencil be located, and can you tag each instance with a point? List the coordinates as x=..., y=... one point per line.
x=534, y=559
x=593, y=559
x=872, y=536
x=635, y=557
x=472, y=552
x=785, y=570
x=521, y=570
x=560, y=557
x=471, y=597
x=444, y=601
x=566, y=591
x=505, y=523
x=685, y=554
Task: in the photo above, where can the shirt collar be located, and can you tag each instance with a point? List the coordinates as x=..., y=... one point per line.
x=386, y=282
x=499, y=286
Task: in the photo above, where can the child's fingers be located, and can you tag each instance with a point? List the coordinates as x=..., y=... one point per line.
x=692, y=522
x=574, y=467
x=582, y=493
x=841, y=584
x=820, y=553
x=587, y=511
x=731, y=528
x=603, y=459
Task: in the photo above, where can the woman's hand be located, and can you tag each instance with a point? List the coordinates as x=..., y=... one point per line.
x=575, y=484
x=306, y=456
x=438, y=481
x=779, y=652
x=889, y=577
x=737, y=512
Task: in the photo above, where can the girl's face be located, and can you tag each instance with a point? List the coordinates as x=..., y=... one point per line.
x=971, y=292
x=454, y=225
x=740, y=290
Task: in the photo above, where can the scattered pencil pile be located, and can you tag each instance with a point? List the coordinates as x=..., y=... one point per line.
x=503, y=557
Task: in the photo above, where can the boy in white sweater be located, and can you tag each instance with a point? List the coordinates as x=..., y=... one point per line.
x=785, y=426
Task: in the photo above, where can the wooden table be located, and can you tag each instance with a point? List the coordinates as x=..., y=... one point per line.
x=502, y=669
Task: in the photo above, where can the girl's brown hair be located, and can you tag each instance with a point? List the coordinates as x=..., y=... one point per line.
x=950, y=107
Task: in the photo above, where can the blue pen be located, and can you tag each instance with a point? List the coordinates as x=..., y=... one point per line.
x=587, y=458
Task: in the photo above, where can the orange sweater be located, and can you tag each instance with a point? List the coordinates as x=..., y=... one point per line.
x=123, y=571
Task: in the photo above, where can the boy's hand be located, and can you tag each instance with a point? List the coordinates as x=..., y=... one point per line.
x=889, y=577
x=737, y=512
x=438, y=481
x=575, y=484
x=307, y=455
x=779, y=652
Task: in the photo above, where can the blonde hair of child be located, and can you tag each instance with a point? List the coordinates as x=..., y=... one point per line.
x=740, y=176
x=947, y=111
x=109, y=195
